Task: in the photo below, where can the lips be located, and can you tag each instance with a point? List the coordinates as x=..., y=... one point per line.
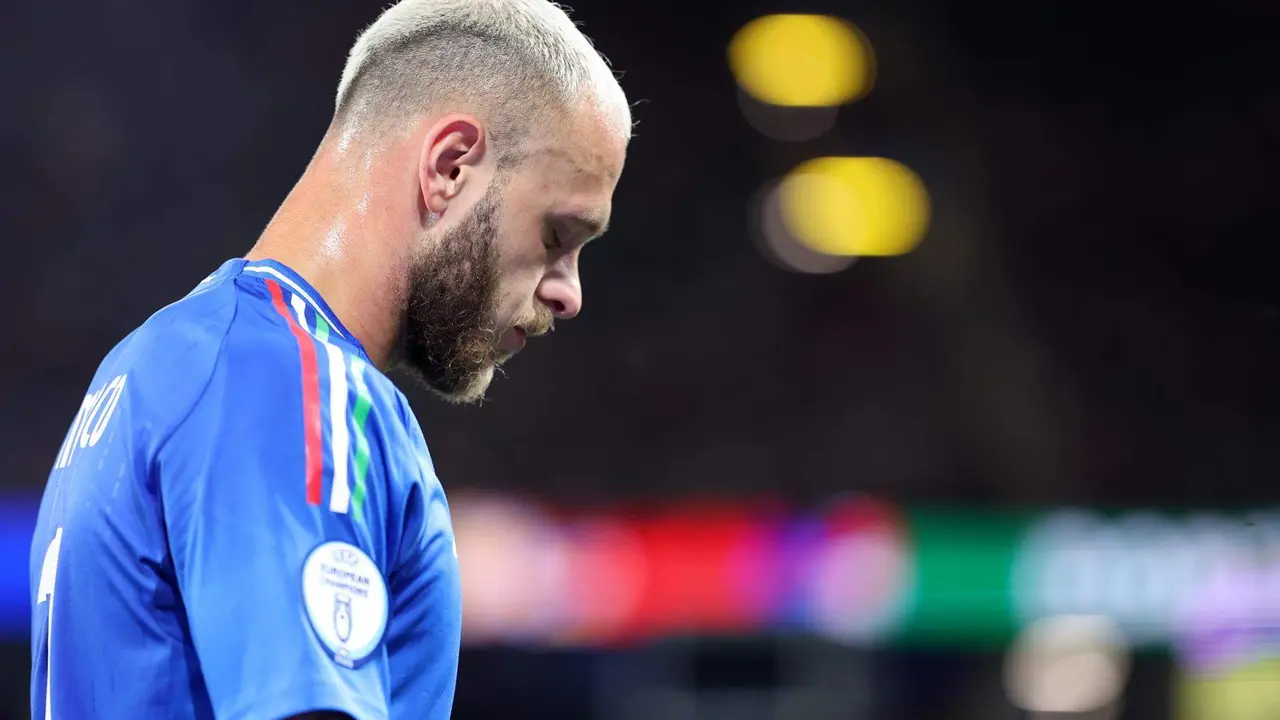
x=512, y=341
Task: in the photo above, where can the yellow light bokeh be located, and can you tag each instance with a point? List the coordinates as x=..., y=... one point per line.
x=847, y=206
x=1245, y=693
x=802, y=60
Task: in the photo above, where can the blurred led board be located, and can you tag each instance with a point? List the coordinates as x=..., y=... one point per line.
x=857, y=570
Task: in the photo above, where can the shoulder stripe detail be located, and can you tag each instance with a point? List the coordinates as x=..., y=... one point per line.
x=322, y=329
x=339, y=433
x=340, y=492
x=300, y=309
x=361, y=416
x=311, y=427
x=268, y=270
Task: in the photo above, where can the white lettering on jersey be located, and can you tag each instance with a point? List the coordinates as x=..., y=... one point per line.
x=91, y=421
x=48, y=580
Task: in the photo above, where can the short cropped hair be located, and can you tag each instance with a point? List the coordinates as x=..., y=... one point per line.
x=514, y=62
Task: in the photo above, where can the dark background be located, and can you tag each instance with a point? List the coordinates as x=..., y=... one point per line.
x=1091, y=319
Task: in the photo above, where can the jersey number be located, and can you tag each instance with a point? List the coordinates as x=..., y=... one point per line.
x=48, y=577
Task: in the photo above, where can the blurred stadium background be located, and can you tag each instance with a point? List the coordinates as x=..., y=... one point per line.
x=928, y=373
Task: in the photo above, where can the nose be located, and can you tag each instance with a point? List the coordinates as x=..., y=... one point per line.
x=563, y=294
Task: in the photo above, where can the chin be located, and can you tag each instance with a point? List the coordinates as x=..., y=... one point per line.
x=470, y=392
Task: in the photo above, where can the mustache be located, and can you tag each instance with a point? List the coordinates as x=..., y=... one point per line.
x=542, y=322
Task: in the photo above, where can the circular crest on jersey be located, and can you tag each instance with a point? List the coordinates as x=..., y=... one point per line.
x=346, y=601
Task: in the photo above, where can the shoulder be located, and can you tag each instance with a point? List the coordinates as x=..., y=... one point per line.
x=227, y=337
x=222, y=319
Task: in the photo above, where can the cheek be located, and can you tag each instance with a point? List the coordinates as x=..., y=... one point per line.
x=517, y=294
x=520, y=268
x=522, y=261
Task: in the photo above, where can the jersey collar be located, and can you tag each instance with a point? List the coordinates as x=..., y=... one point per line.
x=285, y=274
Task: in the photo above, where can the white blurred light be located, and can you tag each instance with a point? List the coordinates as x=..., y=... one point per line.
x=779, y=246
x=1067, y=664
x=515, y=569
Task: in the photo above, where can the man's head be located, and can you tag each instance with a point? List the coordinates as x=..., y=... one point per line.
x=508, y=134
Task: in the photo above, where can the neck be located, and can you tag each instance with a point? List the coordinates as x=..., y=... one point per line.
x=338, y=230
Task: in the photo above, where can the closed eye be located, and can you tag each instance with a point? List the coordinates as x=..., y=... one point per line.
x=551, y=238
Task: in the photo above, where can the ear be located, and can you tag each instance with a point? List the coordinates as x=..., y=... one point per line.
x=453, y=150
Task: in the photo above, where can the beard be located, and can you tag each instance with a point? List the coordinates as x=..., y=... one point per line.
x=449, y=340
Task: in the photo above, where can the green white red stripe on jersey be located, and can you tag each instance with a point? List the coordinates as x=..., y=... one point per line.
x=336, y=404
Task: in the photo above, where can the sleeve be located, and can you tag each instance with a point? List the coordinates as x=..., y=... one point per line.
x=280, y=568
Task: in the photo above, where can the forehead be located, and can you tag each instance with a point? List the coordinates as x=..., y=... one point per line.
x=573, y=172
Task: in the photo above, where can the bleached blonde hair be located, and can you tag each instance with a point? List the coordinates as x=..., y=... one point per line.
x=515, y=62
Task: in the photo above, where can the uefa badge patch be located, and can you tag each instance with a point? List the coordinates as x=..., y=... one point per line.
x=346, y=601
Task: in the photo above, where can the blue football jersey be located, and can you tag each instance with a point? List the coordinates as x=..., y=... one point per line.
x=243, y=522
